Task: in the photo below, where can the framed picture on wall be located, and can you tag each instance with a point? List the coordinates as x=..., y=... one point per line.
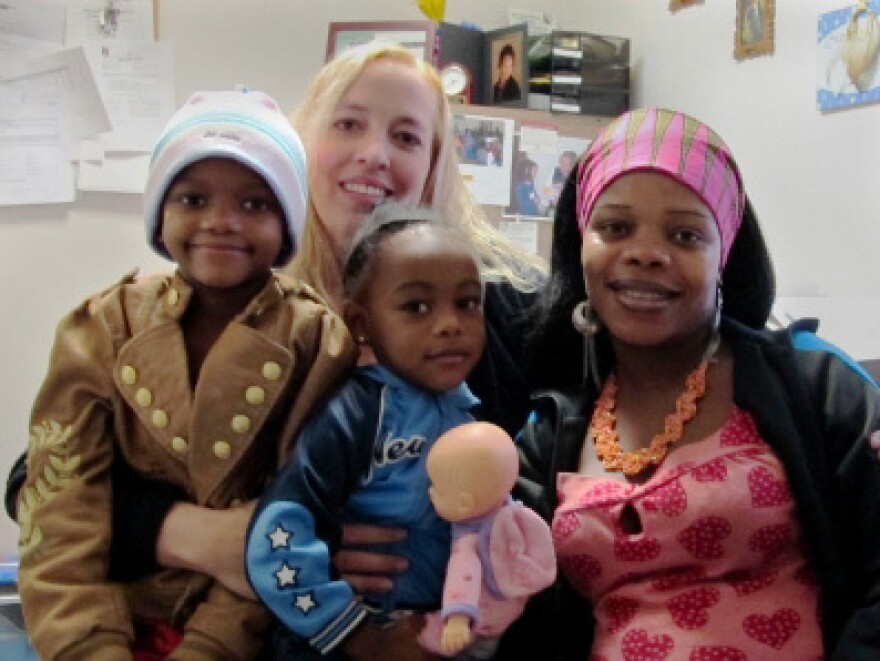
x=848, y=72
x=675, y=5
x=507, y=67
x=416, y=36
x=755, y=25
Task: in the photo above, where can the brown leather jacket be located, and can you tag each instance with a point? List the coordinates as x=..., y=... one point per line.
x=118, y=386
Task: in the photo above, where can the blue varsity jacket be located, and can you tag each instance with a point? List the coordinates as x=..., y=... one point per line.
x=359, y=459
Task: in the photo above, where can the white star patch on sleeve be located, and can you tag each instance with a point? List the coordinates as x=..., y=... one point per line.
x=305, y=602
x=286, y=576
x=279, y=537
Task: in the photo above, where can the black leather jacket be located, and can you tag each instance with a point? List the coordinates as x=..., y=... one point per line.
x=816, y=412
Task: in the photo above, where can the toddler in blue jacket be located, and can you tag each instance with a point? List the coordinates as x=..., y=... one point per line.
x=413, y=299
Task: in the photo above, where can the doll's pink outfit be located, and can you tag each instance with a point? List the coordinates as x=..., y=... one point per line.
x=704, y=561
x=496, y=563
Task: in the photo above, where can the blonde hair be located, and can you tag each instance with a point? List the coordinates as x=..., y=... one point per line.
x=445, y=190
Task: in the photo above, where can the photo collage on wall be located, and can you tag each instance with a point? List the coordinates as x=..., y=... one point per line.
x=522, y=172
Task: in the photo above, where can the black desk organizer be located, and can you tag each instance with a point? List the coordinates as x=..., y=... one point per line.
x=589, y=74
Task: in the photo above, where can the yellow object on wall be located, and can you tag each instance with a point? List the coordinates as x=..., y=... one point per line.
x=433, y=9
x=861, y=46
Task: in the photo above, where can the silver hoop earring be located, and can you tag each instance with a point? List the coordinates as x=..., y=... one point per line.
x=715, y=337
x=584, y=319
x=719, y=304
x=587, y=323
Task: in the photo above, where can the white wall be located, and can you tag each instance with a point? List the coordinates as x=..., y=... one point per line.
x=812, y=177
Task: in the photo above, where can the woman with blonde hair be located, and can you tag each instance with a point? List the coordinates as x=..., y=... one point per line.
x=444, y=188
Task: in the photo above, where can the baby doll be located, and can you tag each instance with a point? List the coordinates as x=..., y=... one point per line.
x=502, y=552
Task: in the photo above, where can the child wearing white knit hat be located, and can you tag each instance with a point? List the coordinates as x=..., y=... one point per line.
x=199, y=379
x=244, y=126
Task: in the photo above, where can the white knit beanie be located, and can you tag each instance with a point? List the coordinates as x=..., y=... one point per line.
x=245, y=126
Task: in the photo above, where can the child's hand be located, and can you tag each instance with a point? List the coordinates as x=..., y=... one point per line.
x=366, y=571
x=456, y=634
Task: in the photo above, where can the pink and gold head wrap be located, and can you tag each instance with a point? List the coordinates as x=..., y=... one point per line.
x=672, y=143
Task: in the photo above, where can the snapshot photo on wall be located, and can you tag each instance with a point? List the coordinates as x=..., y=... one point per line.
x=538, y=176
x=485, y=150
x=848, y=73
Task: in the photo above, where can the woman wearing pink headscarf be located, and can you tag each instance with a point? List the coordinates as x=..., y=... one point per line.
x=710, y=484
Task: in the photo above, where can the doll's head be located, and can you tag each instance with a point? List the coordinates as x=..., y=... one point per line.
x=472, y=468
x=414, y=295
x=246, y=127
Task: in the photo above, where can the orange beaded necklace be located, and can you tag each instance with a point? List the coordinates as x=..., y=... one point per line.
x=604, y=421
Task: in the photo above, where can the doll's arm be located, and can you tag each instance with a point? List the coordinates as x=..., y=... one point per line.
x=461, y=594
x=456, y=634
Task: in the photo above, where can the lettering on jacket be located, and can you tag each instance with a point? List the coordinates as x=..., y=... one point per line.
x=394, y=450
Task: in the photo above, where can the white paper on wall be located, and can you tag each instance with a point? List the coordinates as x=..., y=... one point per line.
x=34, y=158
x=30, y=27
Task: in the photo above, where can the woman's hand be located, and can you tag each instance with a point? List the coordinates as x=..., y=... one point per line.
x=366, y=571
x=213, y=541
x=875, y=442
x=208, y=541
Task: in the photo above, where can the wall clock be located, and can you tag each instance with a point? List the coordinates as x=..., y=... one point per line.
x=457, y=82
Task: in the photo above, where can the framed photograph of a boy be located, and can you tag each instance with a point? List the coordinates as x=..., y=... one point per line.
x=755, y=26
x=507, y=67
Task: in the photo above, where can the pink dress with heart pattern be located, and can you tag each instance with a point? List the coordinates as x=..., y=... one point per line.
x=717, y=571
